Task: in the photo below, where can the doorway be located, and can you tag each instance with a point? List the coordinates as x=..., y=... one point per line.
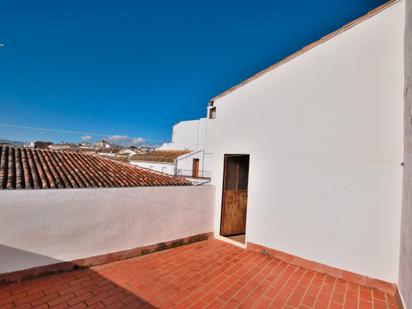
x=234, y=197
x=195, y=168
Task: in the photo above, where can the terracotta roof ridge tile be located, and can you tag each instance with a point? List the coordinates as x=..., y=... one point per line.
x=101, y=173
x=60, y=170
x=19, y=170
x=51, y=172
x=34, y=171
x=28, y=179
x=93, y=175
x=42, y=173
x=11, y=169
x=62, y=180
x=2, y=162
x=86, y=178
x=74, y=170
x=67, y=171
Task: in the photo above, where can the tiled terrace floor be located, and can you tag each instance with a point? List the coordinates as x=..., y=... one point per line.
x=208, y=274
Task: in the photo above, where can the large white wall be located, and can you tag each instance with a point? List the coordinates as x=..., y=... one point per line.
x=188, y=135
x=324, y=134
x=41, y=227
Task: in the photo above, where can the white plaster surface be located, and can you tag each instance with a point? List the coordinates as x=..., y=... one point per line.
x=188, y=135
x=41, y=227
x=184, y=163
x=405, y=267
x=166, y=168
x=325, y=137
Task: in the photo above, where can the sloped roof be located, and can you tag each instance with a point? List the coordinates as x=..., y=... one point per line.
x=25, y=168
x=307, y=48
x=166, y=156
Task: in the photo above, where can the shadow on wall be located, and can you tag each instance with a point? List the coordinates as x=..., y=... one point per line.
x=37, y=265
x=12, y=258
x=73, y=282
x=86, y=285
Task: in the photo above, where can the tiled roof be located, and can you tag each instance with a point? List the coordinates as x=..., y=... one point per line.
x=159, y=155
x=25, y=168
x=308, y=47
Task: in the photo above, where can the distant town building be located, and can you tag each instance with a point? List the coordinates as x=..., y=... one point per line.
x=191, y=136
x=42, y=144
x=127, y=152
x=62, y=146
x=86, y=146
x=163, y=161
x=29, y=145
x=103, y=144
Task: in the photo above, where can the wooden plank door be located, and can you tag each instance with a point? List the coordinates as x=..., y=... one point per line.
x=195, y=168
x=235, y=191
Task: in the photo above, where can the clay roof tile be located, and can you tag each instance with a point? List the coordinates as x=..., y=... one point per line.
x=25, y=168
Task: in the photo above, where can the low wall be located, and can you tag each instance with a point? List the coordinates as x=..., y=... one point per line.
x=166, y=168
x=43, y=227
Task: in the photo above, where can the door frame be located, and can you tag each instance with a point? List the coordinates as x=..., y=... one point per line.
x=195, y=167
x=222, y=237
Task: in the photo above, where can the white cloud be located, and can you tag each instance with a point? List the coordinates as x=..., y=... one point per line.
x=86, y=138
x=118, y=138
x=124, y=139
x=138, y=140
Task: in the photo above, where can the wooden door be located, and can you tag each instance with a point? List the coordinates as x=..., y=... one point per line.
x=195, y=168
x=234, y=200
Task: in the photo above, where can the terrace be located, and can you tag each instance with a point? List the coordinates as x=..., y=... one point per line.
x=81, y=231
x=207, y=274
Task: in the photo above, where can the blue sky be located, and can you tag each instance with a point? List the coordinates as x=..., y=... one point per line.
x=134, y=68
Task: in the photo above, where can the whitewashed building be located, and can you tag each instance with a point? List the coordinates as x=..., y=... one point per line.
x=187, y=135
x=306, y=156
x=103, y=144
x=191, y=136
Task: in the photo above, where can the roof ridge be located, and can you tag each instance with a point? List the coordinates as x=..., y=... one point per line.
x=308, y=47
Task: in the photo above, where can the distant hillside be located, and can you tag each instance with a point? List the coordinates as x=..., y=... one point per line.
x=15, y=143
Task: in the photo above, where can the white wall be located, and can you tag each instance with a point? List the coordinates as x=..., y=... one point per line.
x=324, y=134
x=167, y=168
x=185, y=163
x=405, y=267
x=188, y=135
x=41, y=227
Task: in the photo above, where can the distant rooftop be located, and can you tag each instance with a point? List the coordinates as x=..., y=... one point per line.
x=166, y=156
x=25, y=168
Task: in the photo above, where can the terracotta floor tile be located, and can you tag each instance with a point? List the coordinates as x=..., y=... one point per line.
x=209, y=274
